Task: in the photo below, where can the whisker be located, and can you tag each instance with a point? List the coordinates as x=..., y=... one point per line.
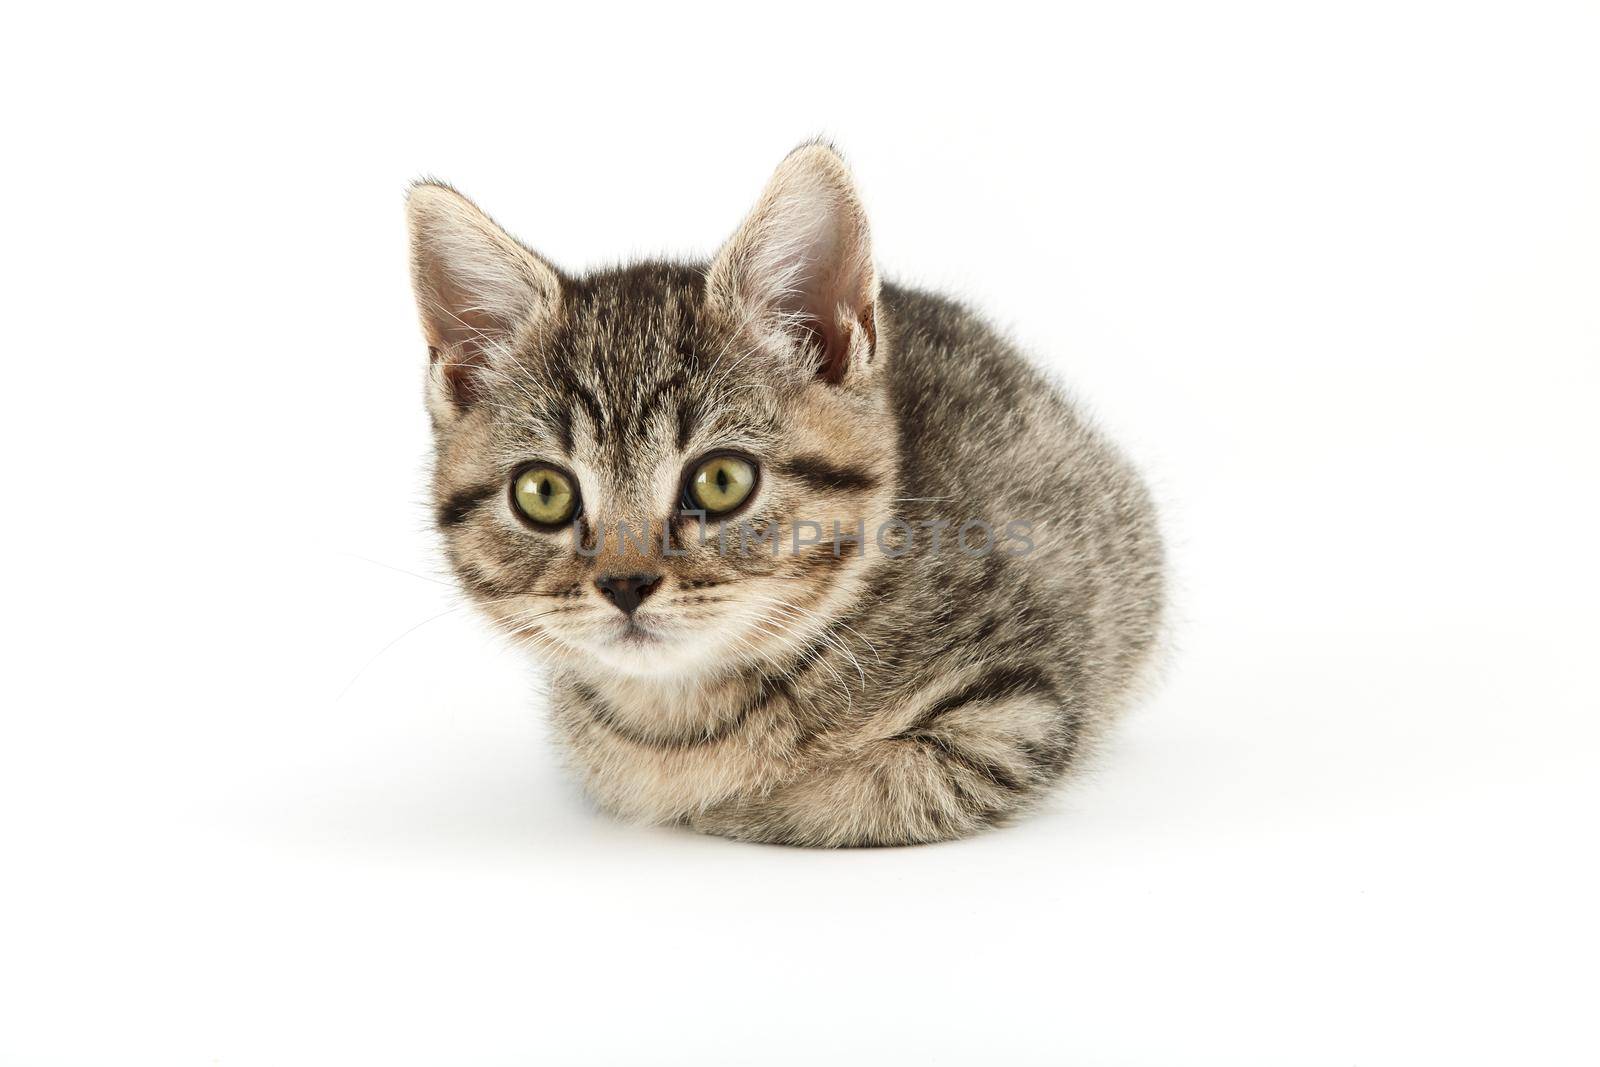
x=400, y=570
x=391, y=644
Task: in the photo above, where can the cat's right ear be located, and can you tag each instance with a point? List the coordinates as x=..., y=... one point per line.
x=476, y=286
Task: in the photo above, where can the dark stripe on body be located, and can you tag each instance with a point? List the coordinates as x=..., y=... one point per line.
x=602, y=713
x=1044, y=761
x=1002, y=684
x=982, y=768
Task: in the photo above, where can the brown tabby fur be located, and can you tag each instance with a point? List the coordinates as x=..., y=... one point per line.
x=868, y=695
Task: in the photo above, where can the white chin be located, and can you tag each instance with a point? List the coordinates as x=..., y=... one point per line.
x=648, y=652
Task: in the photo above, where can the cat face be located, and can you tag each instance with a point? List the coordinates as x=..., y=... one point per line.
x=661, y=471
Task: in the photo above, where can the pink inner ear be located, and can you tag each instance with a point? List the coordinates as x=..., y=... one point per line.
x=459, y=376
x=457, y=331
x=824, y=285
x=838, y=339
x=835, y=359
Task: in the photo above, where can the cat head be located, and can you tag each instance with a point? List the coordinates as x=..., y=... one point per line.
x=661, y=470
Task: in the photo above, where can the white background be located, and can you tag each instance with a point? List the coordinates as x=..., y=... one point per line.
x=269, y=795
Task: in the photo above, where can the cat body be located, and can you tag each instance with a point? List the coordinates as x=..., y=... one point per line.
x=935, y=584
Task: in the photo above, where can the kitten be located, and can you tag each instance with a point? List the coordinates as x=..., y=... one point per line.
x=811, y=559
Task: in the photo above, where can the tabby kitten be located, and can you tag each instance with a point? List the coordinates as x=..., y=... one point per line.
x=811, y=559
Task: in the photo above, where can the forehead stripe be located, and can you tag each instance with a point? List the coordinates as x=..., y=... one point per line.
x=688, y=420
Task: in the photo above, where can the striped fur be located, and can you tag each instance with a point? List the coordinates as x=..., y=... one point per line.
x=864, y=693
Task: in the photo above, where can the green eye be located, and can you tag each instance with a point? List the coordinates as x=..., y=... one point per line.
x=721, y=483
x=545, y=495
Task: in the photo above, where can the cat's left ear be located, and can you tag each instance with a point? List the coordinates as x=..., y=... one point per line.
x=800, y=267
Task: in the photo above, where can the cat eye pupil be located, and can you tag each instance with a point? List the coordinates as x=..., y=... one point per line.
x=545, y=496
x=720, y=484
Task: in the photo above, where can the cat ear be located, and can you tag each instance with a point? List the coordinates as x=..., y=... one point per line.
x=800, y=266
x=475, y=286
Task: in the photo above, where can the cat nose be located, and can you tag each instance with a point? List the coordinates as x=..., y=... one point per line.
x=627, y=591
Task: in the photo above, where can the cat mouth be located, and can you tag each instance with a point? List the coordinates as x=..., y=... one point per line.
x=633, y=633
